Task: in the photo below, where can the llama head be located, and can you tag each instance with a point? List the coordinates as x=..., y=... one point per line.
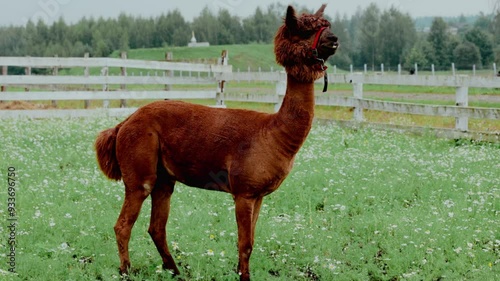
x=303, y=43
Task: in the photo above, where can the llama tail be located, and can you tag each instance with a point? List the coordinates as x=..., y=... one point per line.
x=105, y=146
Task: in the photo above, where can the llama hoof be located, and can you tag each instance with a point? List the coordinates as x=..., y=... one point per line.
x=123, y=275
x=174, y=271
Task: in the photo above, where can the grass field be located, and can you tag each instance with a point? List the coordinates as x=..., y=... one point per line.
x=358, y=205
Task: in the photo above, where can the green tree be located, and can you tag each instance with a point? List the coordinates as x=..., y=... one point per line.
x=79, y=49
x=99, y=46
x=181, y=31
x=484, y=42
x=354, y=32
x=496, y=52
x=230, y=29
x=495, y=28
x=58, y=31
x=466, y=55
x=483, y=22
x=11, y=43
x=427, y=50
x=172, y=29
x=205, y=27
x=124, y=42
x=342, y=58
x=415, y=56
x=369, y=28
x=143, y=33
x=30, y=37
x=260, y=27
x=82, y=31
x=440, y=41
x=397, y=35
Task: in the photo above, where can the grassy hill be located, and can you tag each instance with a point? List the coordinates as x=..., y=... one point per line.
x=240, y=56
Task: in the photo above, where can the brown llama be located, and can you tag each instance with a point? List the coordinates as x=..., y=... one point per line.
x=245, y=153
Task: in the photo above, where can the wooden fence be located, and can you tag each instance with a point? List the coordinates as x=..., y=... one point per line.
x=163, y=75
x=217, y=75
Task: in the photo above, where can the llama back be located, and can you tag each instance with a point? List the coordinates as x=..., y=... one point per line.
x=105, y=146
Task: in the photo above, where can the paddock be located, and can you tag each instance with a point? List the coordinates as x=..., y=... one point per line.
x=149, y=80
x=379, y=204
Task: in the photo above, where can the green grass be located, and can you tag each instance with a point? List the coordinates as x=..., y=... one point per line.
x=240, y=56
x=358, y=205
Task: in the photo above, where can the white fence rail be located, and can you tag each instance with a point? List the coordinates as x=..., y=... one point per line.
x=216, y=75
x=56, y=62
x=83, y=83
x=461, y=110
x=106, y=95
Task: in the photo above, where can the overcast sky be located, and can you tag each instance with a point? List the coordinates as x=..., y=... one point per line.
x=18, y=12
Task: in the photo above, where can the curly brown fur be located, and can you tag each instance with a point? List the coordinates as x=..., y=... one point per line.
x=106, y=153
x=292, y=44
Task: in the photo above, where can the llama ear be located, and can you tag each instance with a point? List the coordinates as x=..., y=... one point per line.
x=291, y=19
x=320, y=12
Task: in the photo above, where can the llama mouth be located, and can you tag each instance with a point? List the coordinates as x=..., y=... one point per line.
x=329, y=49
x=335, y=46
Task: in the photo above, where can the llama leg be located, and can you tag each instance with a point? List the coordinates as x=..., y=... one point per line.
x=159, y=215
x=245, y=218
x=255, y=217
x=123, y=227
x=137, y=154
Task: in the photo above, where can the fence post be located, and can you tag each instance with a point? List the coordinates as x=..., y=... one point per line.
x=169, y=56
x=280, y=92
x=55, y=72
x=432, y=69
x=474, y=70
x=351, y=68
x=335, y=69
x=382, y=68
x=219, y=96
x=416, y=69
x=5, y=71
x=453, y=68
x=462, y=99
x=357, y=87
x=123, y=70
x=495, y=69
x=105, y=72
x=365, y=68
x=27, y=71
x=399, y=69
x=86, y=72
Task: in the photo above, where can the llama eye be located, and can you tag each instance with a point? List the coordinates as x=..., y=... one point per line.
x=307, y=34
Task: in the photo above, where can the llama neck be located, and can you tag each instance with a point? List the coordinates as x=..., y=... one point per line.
x=294, y=119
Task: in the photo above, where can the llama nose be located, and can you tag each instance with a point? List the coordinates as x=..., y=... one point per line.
x=333, y=38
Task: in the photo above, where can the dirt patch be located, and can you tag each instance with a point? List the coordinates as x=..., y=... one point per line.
x=12, y=105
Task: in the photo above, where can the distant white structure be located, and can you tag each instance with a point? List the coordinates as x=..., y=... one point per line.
x=193, y=42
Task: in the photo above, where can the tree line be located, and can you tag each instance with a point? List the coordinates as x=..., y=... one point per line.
x=371, y=36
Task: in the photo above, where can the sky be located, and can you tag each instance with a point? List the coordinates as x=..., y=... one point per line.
x=18, y=12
